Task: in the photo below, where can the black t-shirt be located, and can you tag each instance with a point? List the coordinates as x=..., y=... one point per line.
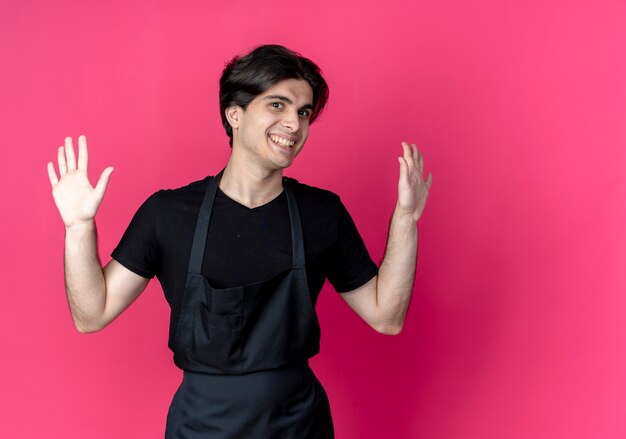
x=244, y=245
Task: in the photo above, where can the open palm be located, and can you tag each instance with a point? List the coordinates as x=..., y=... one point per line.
x=75, y=197
x=412, y=188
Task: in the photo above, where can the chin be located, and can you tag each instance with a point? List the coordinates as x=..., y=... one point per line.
x=284, y=165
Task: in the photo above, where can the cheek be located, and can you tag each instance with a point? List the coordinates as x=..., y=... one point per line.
x=305, y=131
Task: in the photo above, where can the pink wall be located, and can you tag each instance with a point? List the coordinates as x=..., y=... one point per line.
x=516, y=328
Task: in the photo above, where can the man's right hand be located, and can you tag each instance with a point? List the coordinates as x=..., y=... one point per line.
x=96, y=296
x=75, y=197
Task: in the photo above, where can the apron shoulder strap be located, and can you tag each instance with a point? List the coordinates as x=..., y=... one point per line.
x=202, y=225
x=297, y=237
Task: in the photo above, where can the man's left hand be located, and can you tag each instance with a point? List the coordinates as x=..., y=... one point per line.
x=412, y=189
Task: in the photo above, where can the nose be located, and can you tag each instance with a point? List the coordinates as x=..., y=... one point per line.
x=291, y=121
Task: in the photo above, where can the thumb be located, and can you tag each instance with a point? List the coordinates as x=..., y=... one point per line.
x=103, y=181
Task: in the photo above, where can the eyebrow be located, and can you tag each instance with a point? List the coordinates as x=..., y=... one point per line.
x=287, y=100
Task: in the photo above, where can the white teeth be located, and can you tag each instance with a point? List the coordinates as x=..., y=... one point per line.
x=282, y=141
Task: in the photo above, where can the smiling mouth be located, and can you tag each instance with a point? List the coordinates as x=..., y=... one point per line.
x=282, y=142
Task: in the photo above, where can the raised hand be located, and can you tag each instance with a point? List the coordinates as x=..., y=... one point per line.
x=412, y=189
x=75, y=197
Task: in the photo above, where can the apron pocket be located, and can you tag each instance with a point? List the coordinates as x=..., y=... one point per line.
x=223, y=347
x=228, y=322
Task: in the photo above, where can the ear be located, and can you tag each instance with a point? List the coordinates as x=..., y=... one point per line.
x=233, y=116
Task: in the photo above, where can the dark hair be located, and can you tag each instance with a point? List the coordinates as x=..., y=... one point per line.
x=246, y=77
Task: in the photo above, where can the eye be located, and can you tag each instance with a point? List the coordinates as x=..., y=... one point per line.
x=305, y=114
x=278, y=105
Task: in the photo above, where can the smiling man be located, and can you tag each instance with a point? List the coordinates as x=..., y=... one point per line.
x=242, y=257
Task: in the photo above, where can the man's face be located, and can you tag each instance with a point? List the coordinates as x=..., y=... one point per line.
x=274, y=127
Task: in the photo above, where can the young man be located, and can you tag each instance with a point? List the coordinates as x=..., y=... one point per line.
x=242, y=257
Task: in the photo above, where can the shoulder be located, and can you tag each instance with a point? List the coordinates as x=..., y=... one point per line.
x=311, y=194
x=185, y=197
x=320, y=208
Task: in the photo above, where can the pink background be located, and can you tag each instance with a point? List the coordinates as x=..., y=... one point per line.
x=517, y=326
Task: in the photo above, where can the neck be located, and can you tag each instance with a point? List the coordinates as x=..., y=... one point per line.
x=249, y=185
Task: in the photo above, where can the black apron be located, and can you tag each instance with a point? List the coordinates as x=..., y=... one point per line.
x=244, y=350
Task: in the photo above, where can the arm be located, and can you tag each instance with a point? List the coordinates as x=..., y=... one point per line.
x=95, y=296
x=384, y=300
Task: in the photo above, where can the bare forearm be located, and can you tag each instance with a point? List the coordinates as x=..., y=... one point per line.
x=397, y=271
x=84, y=279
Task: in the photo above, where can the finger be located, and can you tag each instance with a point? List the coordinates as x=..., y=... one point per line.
x=403, y=168
x=403, y=178
x=83, y=157
x=62, y=162
x=417, y=159
x=69, y=153
x=420, y=162
x=408, y=156
x=52, y=175
x=103, y=181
